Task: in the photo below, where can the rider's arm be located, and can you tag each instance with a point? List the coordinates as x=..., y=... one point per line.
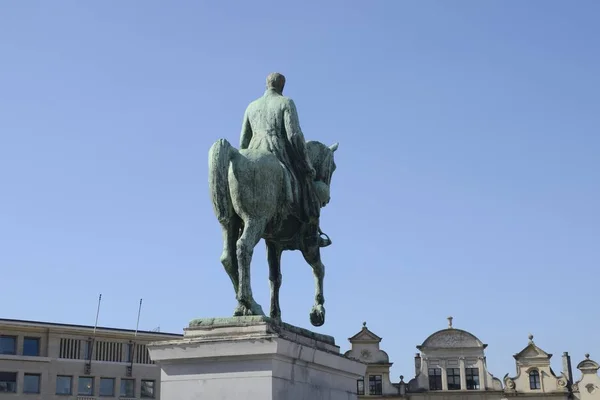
x=295, y=135
x=246, y=132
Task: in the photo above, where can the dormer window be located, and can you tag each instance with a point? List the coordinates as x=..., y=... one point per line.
x=375, y=386
x=453, y=375
x=534, y=380
x=472, y=375
x=435, y=379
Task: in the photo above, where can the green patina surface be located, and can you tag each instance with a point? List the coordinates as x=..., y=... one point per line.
x=257, y=320
x=294, y=178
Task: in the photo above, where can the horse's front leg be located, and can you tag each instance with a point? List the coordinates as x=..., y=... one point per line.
x=274, y=259
x=312, y=255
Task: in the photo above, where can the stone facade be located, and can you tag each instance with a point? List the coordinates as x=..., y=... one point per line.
x=451, y=365
x=254, y=358
x=49, y=361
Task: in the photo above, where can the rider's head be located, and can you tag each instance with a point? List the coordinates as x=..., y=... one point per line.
x=276, y=81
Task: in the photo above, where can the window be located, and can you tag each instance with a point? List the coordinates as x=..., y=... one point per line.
x=8, y=345
x=85, y=386
x=63, y=384
x=453, y=375
x=127, y=388
x=534, y=380
x=107, y=387
x=8, y=382
x=435, y=379
x=31, y=346
x=472, y=378
x=148, y=389
x=31, y=383
x=360, y=386
x=375, y=384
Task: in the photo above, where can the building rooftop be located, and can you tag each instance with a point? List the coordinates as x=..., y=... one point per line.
x=82, y=327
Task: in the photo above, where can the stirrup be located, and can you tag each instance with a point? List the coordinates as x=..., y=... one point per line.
x=323, y=241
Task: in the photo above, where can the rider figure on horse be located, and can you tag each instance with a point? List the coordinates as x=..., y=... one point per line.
x=271, y=124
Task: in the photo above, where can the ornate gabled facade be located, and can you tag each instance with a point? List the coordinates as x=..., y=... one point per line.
x=452, y=360
x=365, y=347
x=451, y=364
x=588, y=387
x=534, y=374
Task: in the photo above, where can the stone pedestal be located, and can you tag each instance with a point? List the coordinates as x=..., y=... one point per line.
x=254, y=358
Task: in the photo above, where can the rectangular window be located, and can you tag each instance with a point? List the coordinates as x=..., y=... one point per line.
x=31, y=383
x=375, y=384
x=453, y=375
x=8, y=345
x=64, y=384
x=8, y=382
x=472, y=375
x=31, y=346
x=360, y=386
x=85, y=386
x=435, y=379
x=148, y=389
x=107, y=387
x=127, y=388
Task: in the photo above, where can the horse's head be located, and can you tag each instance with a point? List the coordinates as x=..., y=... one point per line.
x=323, y=162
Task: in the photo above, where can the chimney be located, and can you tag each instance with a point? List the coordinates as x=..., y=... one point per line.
x=417, y=364
x=566, y=367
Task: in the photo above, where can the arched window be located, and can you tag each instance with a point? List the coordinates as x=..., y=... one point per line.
x=534, y=380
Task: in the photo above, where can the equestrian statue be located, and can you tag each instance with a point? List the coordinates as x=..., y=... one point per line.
x=272, y=188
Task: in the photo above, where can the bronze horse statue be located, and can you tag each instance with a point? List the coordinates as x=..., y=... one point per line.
x=248, y=193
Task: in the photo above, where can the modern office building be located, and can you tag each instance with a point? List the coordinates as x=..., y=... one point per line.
x=49, y=361
x=451, y=365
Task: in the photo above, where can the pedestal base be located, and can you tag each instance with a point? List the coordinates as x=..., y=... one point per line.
x=254, y=358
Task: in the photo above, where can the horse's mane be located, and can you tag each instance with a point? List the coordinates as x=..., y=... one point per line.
x=318, y=153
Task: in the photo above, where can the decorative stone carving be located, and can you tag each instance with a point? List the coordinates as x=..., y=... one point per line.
x=590, y=388
x=562, y=383
x=365, y=354
x=452, y=338
x=510, y=384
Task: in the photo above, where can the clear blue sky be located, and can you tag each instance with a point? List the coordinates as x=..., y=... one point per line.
x=467, y=181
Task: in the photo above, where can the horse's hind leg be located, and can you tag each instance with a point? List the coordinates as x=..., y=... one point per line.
x=231, y=233
x=274, y=258
x=253, y=231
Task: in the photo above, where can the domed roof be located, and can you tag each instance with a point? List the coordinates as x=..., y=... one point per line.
x=452, y=338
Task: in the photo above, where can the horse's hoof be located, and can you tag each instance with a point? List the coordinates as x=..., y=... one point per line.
x=256, y=309
x=242, y=311
x=276, y=318
x=317, y=315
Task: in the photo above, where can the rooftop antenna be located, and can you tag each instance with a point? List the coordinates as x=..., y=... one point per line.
x=92, y=341
x=132, y=343
x=97, y=313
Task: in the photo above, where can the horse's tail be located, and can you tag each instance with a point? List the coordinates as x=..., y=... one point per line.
x=219, y=158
